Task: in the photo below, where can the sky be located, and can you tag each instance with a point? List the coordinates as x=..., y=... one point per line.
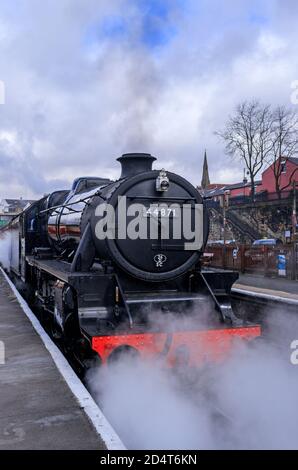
x=88, y=80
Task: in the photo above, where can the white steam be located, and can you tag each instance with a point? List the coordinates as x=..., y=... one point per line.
x=5, y=248
x=147, y=408
x=247, y=402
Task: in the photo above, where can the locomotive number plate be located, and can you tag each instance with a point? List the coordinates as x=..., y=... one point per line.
x=163, y=212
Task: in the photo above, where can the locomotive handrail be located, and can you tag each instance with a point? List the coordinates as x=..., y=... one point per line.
x=224, y=306
x=65, y=205
x=55, y=212
x=126, y=308
x=166, y=198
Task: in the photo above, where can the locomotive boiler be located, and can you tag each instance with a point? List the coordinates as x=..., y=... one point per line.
x=115, y=268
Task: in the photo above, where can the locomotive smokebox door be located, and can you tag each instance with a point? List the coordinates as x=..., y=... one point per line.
x=160, y=227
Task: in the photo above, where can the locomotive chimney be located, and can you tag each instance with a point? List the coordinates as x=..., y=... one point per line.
x=134, y=163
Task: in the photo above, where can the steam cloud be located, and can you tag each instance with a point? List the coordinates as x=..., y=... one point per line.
x=5, y=248
x=88, y=80
x=248, y=402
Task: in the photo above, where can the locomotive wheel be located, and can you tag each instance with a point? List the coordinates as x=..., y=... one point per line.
x=123, y=353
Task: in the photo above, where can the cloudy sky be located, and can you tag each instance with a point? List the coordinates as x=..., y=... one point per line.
x=87, y=80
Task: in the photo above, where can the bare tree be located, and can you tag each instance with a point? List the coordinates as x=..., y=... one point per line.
x=248, y=137
x=284, y=145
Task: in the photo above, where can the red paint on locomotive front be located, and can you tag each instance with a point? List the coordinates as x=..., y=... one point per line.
x=200, y=346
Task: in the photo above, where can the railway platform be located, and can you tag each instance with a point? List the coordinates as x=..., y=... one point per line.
x=277, y=289
x=38, y=407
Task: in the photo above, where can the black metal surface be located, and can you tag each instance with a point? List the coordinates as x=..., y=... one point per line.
x=57, y=268
x=136, y=257
x=93, y=287
x=67, y=224
x=134, y=163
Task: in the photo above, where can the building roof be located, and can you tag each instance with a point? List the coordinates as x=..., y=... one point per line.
x=21, y=202
x=17, y=203
x=293, y=160
x=243, y=185
x=216, y=185
x=220, y=189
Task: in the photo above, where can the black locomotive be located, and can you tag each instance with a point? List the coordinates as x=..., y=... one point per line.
x=115, y=267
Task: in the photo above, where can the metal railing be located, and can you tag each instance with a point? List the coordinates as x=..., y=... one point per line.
x=263, y=197
x=244, y=228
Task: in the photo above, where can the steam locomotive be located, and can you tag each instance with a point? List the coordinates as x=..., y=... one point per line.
x=115, y=268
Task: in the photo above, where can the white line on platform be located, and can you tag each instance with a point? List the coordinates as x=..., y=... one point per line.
x=263, y=295
x=86, y=402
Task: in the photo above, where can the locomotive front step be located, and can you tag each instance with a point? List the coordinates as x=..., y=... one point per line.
x=151, y=297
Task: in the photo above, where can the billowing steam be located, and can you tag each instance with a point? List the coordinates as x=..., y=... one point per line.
x=248, y=402
x=5, y=248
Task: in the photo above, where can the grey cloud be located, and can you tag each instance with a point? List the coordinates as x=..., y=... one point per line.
x=74, y=104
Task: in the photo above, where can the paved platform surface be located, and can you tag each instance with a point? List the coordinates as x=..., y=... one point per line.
x=37, y=408
x=280, y=287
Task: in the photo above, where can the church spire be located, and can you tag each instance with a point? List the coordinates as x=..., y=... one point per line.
x=205, y=176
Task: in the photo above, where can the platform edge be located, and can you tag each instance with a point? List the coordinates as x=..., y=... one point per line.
x=100, y=423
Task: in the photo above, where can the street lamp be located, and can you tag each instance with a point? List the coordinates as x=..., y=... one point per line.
x=225, y=207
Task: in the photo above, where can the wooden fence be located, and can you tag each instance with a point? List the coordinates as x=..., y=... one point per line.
x=281, y=260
